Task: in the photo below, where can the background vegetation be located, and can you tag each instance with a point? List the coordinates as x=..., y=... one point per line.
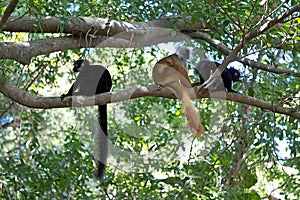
x=247, y=153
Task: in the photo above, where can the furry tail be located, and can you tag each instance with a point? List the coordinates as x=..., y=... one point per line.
x=101, y=143
x=192, y=115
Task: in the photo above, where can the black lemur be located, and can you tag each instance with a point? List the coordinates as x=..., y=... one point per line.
x=91, y=80
x=206, y=68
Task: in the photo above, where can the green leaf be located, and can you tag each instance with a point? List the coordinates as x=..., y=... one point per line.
x=172, y=181
x=251, y=91
x=253, y=195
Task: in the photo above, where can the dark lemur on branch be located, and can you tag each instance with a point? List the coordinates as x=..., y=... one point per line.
x=206, y=68
x=92, y=80
x=171, y=72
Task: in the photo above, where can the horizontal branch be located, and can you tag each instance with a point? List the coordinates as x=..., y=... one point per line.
x=23, y=52
x=91, y=32
x=94, y=26
x=30, y=100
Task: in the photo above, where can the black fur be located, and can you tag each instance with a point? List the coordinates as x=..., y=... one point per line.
x=205, y=68
x=91, y=80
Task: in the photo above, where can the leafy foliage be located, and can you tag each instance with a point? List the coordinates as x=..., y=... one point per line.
x=48, y=154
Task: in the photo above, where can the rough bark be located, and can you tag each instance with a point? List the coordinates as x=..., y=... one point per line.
x=27, y=99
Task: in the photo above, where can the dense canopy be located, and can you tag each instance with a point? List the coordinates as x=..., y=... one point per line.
x=251, y=145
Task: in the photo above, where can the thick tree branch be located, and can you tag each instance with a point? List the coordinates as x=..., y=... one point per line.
x=10, y=8
x=27, y=99
x=24, y=51
x=89, y=29
x=94, y=26
x=90, y=32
